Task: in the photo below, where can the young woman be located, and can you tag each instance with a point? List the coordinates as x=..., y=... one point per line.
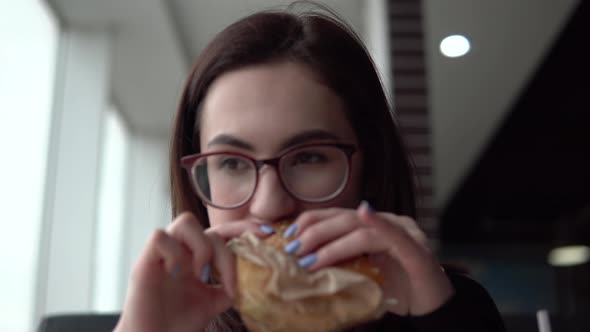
x=284, y=117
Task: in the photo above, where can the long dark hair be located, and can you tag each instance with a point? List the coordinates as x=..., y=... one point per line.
x=324, y=43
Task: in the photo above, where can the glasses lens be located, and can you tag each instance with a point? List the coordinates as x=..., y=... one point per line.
x=224, y=180
x=315, y=173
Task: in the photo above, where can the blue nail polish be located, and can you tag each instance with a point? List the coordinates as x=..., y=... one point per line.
x=308, y=260
x=267, y=229
x=368, y=207
x=290, y=231
x=292, y=246
x=206, y=270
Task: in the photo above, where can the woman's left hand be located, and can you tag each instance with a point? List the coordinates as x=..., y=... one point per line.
x=394, y=243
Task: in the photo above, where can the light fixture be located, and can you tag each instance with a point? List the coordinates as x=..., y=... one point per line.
x=569, y=255
x=454, y=46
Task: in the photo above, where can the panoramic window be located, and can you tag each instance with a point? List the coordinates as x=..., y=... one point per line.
x=28, y=39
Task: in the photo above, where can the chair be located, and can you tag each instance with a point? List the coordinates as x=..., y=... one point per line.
x=79, y=323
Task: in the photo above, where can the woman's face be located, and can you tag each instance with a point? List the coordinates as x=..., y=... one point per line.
x=263, y=110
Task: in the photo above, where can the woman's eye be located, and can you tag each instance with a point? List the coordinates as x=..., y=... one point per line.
x=309, y=158
x=233, y=164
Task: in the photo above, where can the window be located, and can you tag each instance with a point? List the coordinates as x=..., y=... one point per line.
x=111, y=213
x=28, y=50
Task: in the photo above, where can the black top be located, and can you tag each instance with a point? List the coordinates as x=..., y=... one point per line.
x=470, y=309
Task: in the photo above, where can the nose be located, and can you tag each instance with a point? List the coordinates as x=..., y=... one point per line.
x=271, y=202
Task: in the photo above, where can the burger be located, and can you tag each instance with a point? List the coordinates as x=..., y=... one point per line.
x=274, y=294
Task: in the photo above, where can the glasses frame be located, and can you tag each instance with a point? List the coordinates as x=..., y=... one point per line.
x=189, y=163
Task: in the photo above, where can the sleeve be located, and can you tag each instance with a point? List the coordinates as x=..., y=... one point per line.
x=470, y=309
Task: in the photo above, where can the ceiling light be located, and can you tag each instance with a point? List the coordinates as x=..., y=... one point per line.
x=454, y=46
x=570, y=255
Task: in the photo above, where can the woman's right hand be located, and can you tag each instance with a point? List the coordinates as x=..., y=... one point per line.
x=166, y=292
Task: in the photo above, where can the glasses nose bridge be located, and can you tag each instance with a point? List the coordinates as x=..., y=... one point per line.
x=274, y=162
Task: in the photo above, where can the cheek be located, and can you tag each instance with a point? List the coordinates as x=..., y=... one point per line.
x=220, y=216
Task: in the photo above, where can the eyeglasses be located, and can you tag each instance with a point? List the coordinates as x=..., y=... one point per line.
x=310, y=173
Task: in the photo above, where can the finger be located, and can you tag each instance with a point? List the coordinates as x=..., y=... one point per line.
x=224, y=262
x=186, y=229
x=234, y=229
x=310, y=217
x=401, y=237
x=163, y=254
x=429, y=287
x=351, y=245
x=380, y=236
x=367, y=214
x=320, y=233
x=412, y=228
x=395, y=290
x=162, y=248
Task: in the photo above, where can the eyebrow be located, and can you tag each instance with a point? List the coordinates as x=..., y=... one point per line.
x=225, y=139
x=309, y=136
x=301, y=138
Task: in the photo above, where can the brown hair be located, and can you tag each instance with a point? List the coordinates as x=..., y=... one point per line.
x=336, y=55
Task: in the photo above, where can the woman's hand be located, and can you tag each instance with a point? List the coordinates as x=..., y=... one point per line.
x=412, y=274
x=168, y=289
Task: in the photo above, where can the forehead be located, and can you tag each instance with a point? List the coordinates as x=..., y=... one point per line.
x=268, y=103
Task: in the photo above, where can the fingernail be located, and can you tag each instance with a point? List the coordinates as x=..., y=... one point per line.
x=365, y=205
x=290, y=231
x=308, y=260
x=292, y=246
x=206, y=270
x=267, y=229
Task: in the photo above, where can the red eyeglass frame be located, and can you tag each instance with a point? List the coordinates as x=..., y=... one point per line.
x=188, y=162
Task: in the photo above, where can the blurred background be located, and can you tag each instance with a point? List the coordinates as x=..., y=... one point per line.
x=496, y=117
